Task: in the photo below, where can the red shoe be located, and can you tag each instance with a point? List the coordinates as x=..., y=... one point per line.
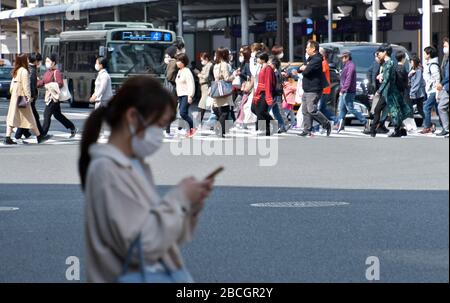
x=426, y=131
x=191, y=133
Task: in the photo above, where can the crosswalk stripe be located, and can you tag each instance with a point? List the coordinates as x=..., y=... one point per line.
x=63, y=138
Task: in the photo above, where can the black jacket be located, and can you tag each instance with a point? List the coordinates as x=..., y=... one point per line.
x=372, y=74
x=314, y=80
x=401, y=78
x=245, y=72
x=33, y=81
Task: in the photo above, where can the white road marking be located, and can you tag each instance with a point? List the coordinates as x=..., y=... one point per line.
x=6, y=208
x=63, y=137
x=300, y=204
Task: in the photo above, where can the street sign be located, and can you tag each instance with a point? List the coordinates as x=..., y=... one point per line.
x=412, y=22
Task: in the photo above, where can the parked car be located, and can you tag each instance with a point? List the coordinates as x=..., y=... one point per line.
x=363, y=57
x=5, y=80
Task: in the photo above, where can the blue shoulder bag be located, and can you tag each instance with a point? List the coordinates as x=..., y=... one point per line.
x=150, y=274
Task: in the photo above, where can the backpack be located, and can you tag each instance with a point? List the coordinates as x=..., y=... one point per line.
x=429, y=70
x=279, y=90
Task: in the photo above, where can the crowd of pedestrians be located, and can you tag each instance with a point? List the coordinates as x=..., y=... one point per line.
x=261, y=91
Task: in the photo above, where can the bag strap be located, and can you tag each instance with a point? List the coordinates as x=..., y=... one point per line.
x=137, y=244
x=220, y=72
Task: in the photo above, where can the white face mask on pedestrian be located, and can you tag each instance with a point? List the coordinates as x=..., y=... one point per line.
x=150, y=144
x=48, y=65
x=445, y=50
x=97, y=67
x=281, y=56
x=241, y=59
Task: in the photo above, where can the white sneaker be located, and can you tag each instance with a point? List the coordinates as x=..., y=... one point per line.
x=257, y=132
x=181, y=133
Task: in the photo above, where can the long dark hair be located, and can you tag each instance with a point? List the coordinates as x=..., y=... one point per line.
x=247, y=53
x=144, y=93
x=222, y=54
x=21, y=61
x=416, y=62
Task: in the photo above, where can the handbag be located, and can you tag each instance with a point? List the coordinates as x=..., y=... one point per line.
x=160, y=273
x=22, y=102
x=221, y=89
x=64, y=93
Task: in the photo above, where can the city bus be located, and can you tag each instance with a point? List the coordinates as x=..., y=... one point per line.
x=131, y=49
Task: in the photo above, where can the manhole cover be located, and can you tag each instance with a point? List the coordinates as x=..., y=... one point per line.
x=8, y=208
x=301, y=204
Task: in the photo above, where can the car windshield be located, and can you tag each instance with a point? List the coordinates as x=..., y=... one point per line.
x=5, y=73
x=363, y=59
x=127, y=58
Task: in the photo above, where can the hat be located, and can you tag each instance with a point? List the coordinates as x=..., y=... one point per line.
x=345, y=53
x=171, y=51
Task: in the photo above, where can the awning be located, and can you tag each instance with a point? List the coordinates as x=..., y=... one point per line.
x=62, y=8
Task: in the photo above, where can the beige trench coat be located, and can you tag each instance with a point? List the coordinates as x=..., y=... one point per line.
x=20, y=117
x=120, y=204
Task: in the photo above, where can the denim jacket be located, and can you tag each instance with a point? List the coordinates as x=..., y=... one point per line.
x=417, y=84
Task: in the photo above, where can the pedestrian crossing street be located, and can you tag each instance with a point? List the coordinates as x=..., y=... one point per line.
x=62, y=138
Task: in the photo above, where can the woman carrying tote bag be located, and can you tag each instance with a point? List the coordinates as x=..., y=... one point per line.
x=222, y=72
x=53, y=107
x=20, y=113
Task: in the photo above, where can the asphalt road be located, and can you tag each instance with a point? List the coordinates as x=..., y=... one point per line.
x=393, y=194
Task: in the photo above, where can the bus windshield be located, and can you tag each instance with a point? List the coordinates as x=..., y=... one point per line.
x=126, y=58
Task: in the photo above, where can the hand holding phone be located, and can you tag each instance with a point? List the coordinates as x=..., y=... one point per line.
x=214, y=174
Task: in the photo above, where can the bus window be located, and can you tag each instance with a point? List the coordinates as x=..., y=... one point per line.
x=46, y=51
x=81, y=55
x=127, y=58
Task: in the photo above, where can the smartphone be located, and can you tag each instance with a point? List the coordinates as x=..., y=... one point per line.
x=215, y=173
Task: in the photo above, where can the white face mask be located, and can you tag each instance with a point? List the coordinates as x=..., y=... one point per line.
x=281, y=56
x=150, y=144
x=445, y=50
x=48, y=65
x=166, y=60
x=97, y=67
x=241, y=59
x=253, y=55
x=306, y=57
